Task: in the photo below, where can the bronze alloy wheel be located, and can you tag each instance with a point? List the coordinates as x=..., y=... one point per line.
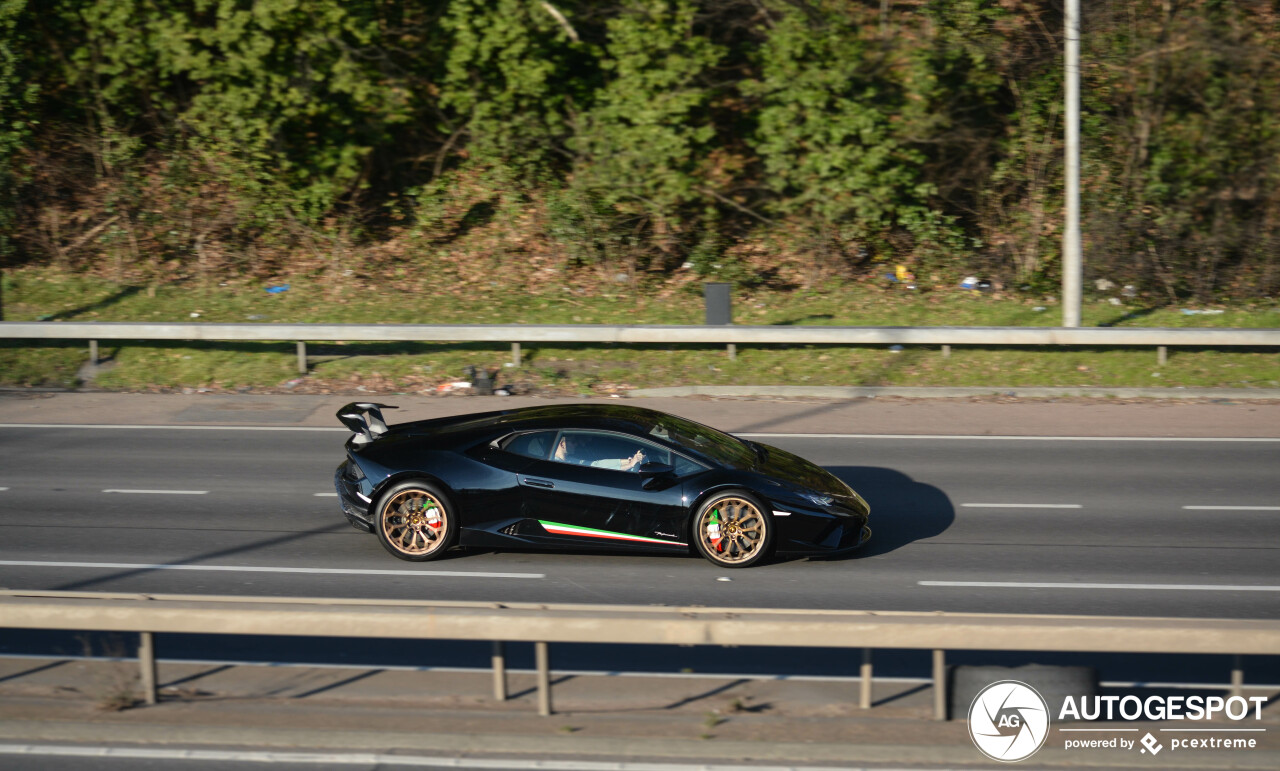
x=414, y=523
x=732, y=531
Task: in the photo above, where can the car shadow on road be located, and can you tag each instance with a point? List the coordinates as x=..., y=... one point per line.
x=903, y=510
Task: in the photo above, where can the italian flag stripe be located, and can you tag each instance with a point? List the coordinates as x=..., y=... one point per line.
x=561, y=529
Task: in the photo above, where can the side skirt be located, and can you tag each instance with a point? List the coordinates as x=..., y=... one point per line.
x=557, y=528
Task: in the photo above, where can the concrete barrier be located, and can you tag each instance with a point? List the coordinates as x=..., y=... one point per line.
x=541, y=624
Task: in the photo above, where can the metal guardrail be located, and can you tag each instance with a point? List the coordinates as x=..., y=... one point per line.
x=676, y=334
x=541, y=624
x=730, y=335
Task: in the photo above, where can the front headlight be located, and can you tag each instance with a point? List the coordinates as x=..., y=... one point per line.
x=821, y=501
x=857, y=498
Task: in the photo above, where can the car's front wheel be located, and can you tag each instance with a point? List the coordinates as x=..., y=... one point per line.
x=415, y=521
x=733, y=530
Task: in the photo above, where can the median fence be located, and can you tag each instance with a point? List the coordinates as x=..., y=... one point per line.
x=729, y=335
x=495, y=623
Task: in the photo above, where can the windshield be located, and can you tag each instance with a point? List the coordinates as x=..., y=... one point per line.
x=714, y=444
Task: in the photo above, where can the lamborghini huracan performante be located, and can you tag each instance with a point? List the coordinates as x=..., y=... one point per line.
x=587, y=476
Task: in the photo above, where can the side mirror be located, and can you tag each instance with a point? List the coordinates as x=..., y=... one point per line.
x=654, y=469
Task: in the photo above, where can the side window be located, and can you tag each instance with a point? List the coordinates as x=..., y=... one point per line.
x=580, y=448
x=536, y=444
x=684, y=466
x=601, y=449
x=616, y=452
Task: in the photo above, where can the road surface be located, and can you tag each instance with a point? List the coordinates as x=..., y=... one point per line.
x=1142, y=526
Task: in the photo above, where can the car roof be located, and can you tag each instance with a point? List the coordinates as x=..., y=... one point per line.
x=462, y=431
x=616, y=417
x=612, y=417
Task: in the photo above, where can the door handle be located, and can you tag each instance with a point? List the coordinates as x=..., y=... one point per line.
x=531, y=482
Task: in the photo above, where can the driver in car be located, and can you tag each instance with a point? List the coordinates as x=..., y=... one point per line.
x=570, y=450
x=622, y=464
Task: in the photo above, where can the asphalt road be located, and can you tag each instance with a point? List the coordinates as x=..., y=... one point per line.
x=1061, y=526
x=53, y=760
x=73, y=758
x=78, y=758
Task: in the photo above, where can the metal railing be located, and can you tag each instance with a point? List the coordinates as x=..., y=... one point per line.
x=542, y=624
x=730, y=335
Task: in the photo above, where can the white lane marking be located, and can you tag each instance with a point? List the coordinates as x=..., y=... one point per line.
x=248, y=569
x=2, y=489
x=1232, y=508
x=159, y=492
x=109, y=426
x=324, y=495
x=1022, y=506
x=1047, y=585
x=373, y=759
x=1024, y=438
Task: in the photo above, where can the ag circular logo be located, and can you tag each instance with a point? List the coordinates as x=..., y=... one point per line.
x=1008, y=721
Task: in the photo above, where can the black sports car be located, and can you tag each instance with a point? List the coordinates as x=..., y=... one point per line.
x=583, y=476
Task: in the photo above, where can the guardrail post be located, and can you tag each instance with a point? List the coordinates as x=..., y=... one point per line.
x=939, y=685
x=733, y=351
x=946, y=352
x=542, y=659
x=147, y=661
x=499, y=671
x=864, y=698
x=515, y=354
x=302, y=358
x=93, y=352
x=1237, y=676
x=1162, y=355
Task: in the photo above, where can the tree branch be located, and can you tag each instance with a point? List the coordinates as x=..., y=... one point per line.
x=734, y=204
x=564, y=23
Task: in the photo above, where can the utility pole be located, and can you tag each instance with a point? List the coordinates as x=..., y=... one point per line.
x=1072, y=272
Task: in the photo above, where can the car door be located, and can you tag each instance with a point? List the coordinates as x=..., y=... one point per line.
x=497, y=511
x=585, y=499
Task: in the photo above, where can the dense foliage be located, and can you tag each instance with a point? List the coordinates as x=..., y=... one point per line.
x=755, y=140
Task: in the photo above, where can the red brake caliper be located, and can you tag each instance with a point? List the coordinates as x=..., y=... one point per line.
x=713, y=530
x=433, y=516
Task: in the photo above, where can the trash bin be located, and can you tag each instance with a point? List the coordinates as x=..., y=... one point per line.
x=719, y=302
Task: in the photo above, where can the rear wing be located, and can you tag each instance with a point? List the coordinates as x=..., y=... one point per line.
x=365, y=419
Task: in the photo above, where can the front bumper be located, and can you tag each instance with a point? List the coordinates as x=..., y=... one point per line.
x=355, y=507
x=822, y=532
x=864, y=535
x=845, y=537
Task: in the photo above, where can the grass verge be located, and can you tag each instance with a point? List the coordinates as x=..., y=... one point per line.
x=32, y=294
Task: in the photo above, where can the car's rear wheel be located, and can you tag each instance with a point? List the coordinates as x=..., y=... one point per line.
x=415, y=521
x=733, y=530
